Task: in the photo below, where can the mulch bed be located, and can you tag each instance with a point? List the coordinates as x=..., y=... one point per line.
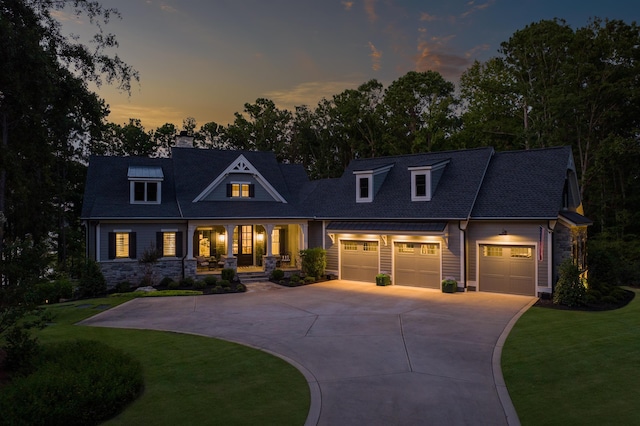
x=548, y=303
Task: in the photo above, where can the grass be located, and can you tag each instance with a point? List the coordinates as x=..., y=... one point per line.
x=190, y=379
x=574, y=367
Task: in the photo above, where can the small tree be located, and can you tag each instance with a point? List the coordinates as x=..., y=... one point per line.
x=314, y=261
x=92, y=282
x=148, y=260
x=570, y=289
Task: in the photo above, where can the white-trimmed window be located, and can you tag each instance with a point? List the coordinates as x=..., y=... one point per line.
x=122, y=244
x=369, y=246
x=429, y=249
x=240, y=190
x=275, y=242
x=145, y=184
x=364, y=188
x=350, y=246
x=420, y=185
x=169, y=243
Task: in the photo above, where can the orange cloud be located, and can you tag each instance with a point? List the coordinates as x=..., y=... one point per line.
x=376, y=57
x=427, y=17
x=347, y=5
x=370, y=8
x=476, y=7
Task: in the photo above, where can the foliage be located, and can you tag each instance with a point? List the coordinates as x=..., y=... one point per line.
x=228, y=274
x=614, y=261
x=75, y=383
x=277, y=274
x=241, y=288
x=210, y=280
x=309, y=279
x=449, y=285
x=122, y=287
x=187, y=282
x=383, y=279
x=149, y=258
x=570, y=289
x=92, y=283
x=223, y=283
x=314, y=261
x=53, y=291
x=199, y=284
x=294, y=279
x=21, y=350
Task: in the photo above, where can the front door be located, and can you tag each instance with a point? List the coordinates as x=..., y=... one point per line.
x=243, y=242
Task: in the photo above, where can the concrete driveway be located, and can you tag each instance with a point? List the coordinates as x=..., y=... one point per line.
x=372, y=355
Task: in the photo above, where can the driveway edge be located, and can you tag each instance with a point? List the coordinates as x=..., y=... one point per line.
x=503, y=394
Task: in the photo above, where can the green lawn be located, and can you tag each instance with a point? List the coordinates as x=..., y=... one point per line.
x=194, y=380
x=568, y=367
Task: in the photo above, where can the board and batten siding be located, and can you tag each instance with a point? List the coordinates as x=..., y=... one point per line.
x=517, y=233
x=314, y=237
x=145, y=235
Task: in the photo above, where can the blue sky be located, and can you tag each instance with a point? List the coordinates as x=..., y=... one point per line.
x=207, y=58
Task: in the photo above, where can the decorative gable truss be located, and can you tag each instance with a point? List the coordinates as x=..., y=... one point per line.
x=240, y=180
x=424, y=180
x=368, y=182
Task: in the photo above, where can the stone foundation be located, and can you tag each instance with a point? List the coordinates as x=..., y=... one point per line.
x=132, y=271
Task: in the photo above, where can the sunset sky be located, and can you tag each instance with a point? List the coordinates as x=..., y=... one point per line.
x=207, y=58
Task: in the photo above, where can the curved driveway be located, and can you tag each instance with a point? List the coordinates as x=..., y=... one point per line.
x=372, y=355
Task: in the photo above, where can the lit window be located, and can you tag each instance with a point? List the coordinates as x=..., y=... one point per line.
x=122, y=244
x=240, y=190
x=247, y=239
x=369, y=246
x=521, y=252
x=429, y=249
x=492, y=251
x=406, y=248
x=350, y=246
x=145, y=192
x=275, y=242
x=169, y=244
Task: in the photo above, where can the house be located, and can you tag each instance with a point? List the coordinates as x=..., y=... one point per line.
x=493, y=221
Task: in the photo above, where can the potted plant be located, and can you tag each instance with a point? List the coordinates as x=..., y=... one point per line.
x=449, y=285
x=383, y=279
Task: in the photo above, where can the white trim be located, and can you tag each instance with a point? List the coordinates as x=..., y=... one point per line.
x=354, y=238
x=369, y=197
x=169, y=230
x=98, y=243
x=240, y=165
x=132, y=183
x=427, y=182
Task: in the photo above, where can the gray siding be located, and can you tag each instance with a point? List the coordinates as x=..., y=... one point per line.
x=220, y=192
x=386, y=257
x=451, y=258
x=518, y=233
x=315, y=234
x=145, y=236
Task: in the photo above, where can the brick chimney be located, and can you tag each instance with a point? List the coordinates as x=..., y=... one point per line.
x=183, y=140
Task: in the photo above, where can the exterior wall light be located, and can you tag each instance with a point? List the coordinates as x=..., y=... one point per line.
x=504, y=232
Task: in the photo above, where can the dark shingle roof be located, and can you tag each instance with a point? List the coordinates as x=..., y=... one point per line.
x=524, y=184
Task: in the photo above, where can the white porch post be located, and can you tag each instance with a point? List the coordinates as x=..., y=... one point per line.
x=269, y=231
x=229, y=229
x=304, y=227
x=191, y=230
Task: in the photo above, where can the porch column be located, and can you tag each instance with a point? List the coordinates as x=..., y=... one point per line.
x=191, y=230
x=269, y=230
x=229, y=229
x=304, y=236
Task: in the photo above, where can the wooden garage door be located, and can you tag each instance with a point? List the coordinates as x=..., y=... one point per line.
x=507, y=269
x=417, y=264
x=359, y=260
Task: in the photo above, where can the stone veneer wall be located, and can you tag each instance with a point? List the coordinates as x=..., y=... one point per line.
x=130, y=270
x=562, y=247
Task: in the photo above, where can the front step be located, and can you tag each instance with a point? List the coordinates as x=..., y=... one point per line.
x=252, y=277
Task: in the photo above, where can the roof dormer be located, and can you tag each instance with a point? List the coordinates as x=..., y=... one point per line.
x=145, y=184
x=368, y=182
x=424, y=180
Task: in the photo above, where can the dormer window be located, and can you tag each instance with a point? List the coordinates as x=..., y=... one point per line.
x=145, y=184
x=364, y=188
x=421, y=185
x=240, y=190
x=424, y=180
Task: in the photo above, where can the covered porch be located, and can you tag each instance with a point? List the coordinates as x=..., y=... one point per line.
x=245, y=246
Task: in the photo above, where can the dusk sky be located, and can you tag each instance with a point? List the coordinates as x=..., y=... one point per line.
x=207, y=58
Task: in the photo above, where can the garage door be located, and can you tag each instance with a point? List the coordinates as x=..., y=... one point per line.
x=507, y=269
x=417, y=264
x=359, y=260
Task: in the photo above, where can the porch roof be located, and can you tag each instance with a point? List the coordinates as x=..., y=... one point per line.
x=390, y=226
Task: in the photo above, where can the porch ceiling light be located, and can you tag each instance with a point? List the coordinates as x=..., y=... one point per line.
x=221, y=238
x=260, y=237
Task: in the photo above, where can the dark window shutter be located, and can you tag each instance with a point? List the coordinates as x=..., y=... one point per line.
x=252, y=190
x=160, y=243
x=132, y=245
x=112, y=245
x=179, y=244
x=283, y=238
x=229, y=190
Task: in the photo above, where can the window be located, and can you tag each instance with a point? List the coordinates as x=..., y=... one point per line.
x=521, y=252
x=406, y=248
x=364, y=187
x=240, y=190
x=421, y=185
x=429, y=249
x=122, y=244
x=247, y=239
x=145, y=192
x=350, y=246
x=492, y=251
x=275, y=242
x=369, y=246
x=168, y=244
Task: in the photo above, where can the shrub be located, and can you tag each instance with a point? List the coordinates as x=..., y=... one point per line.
x=570, y=290
x=241, y=288
x=224, y=283
x=173, y=285
x=309, y=279
x=76, y=383
x=123, y=287
x=92, y=282
x=199, y=284
x=228, y=274
x=21, y=350
x=164, y=282
x=187, y=282
x=53, y=291
x=295, y=279
x=218, y=289
x=277, y=274
x=314, y=261
x=210, y=280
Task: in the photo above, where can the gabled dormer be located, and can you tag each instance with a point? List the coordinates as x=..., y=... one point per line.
x=424, y=180
x=368, y=182
x=145, y=184
x=240, y=181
